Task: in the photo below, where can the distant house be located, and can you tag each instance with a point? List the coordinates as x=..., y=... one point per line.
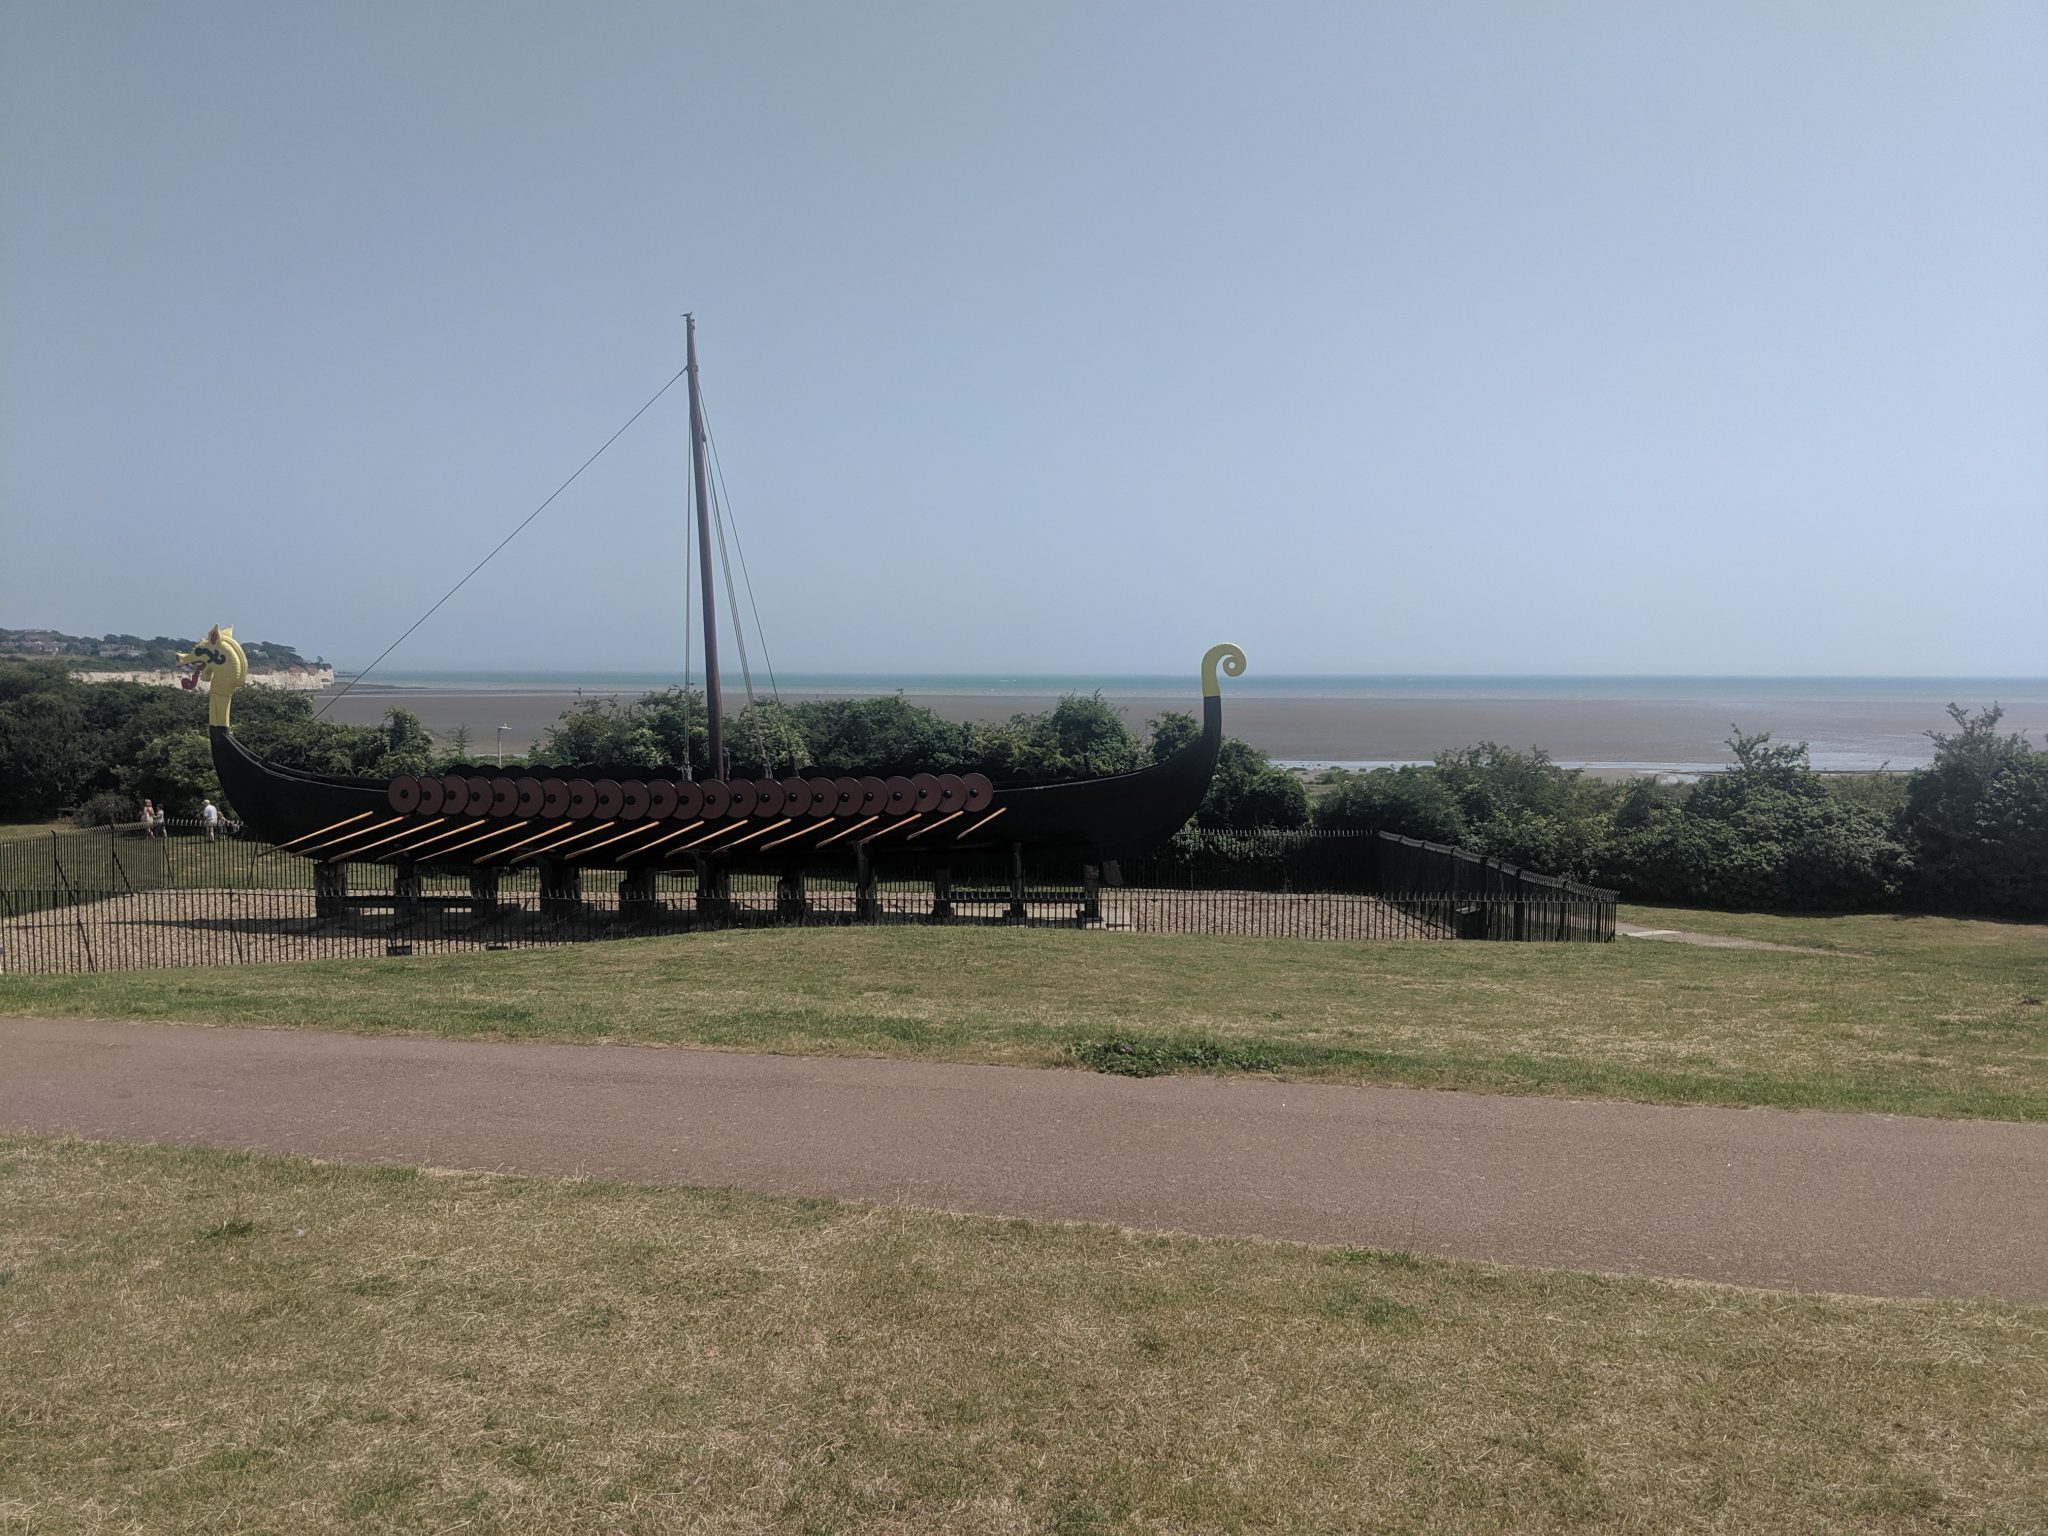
x=120, y=650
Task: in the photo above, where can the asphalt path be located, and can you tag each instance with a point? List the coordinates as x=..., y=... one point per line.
x=1880, y=1205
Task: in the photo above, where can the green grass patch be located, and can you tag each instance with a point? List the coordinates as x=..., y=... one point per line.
x=202, y=1341
x=1907, y=1015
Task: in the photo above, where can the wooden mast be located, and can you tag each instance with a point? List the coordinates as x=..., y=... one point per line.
x=714, y=704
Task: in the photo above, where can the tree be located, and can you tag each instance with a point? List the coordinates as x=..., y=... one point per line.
x=1081, y=737
x=599, y=732
x=1248, y=791
x=1523, y=809
x=1977, y=819
x=1766, y=833
x=403, y=744
x=175, y=771
x=886, y=735
x=1412, y=801
x=50, y=757
x=765, y=740
x=1171, y=732
x=679, y=724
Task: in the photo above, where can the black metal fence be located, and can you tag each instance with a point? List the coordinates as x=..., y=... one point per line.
x=114, y=899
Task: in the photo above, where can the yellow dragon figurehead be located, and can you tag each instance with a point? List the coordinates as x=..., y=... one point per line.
x=219, y=663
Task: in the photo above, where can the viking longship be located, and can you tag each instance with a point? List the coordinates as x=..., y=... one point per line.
x=640, y=820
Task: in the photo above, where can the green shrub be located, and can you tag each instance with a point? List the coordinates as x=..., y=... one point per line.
x=1977, y=818
x=1414, y=802
x=107, y=808
x=1767, y=833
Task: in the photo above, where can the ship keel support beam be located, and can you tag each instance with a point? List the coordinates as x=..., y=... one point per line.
x=330, y=890
x=792, y=901
x=1018, y=912
x=867, y=899
x=636, y=892
x=561, y=888
x=714, y=891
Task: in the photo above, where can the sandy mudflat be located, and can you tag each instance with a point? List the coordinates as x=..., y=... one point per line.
x=1844, y=733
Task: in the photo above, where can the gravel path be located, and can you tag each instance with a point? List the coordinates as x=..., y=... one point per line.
x=1861, y=1203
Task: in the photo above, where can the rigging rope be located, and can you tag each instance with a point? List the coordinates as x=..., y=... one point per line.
x=760, y=631
x=487, y=559
x=689, y=635
x=732, y=600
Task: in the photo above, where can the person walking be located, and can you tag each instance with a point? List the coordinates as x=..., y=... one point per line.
x=210, y=814
x=148, y=819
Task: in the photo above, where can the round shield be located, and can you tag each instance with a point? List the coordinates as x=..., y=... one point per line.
x=847, y=793
x=454, y=794
x=689, y=800
x=979, y=792
x=741, y=797
x=767, y=798
x=504, y=796
x=554, y=797
x=874, y=795
x=796, y=796
x=902, y=796
x=952, y=793
x=403, y=793
x=632, y=800
x=824, y=799
x=430, y=797
x=717, y=798
x=527, y=806
x=479, y=797
x=661, y=799
x=608, y=799
x=582, y=798
x=927, y=787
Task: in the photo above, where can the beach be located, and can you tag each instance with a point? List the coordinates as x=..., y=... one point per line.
x=1607, y=724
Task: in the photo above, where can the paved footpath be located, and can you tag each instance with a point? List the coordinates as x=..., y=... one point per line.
x=1875, y=1204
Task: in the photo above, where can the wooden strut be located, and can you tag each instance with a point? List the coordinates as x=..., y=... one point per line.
x=305, y=836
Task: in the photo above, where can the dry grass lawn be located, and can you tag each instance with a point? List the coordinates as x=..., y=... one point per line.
x=1908, y=1015
x=204, y=1342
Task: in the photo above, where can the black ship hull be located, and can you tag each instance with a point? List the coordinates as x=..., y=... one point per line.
x=599, y=816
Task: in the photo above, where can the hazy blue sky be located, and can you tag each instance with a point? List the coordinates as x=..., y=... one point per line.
x=1040, y=337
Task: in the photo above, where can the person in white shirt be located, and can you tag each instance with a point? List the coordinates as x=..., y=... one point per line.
x=148, y=819
x=211, y=816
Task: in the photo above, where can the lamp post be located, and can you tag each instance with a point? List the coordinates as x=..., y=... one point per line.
x=501, y=744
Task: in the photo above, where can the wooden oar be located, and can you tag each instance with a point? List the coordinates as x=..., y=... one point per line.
x=920, y=832
x=991, y=816
x=330, y=827
x=842, y=832
x=374, y=826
